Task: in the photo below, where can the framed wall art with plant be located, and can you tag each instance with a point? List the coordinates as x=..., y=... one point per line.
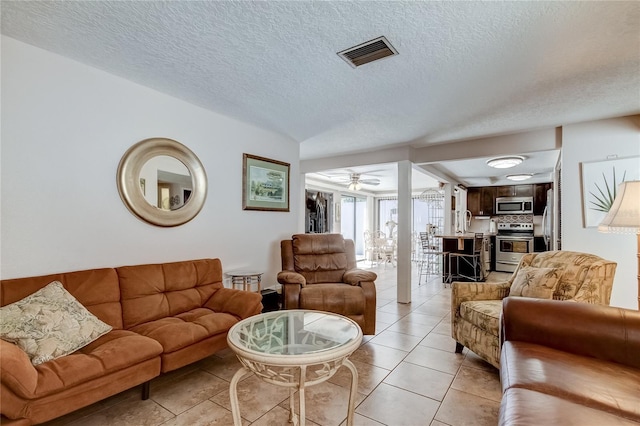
x=600, y=180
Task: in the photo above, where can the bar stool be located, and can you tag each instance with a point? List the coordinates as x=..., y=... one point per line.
x=473, y=259
x=432, y=260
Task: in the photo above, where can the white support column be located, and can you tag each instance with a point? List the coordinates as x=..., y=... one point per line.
x=404, y=232
x=302, y=202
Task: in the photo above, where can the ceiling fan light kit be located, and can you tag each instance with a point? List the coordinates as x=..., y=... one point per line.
x=505, y=162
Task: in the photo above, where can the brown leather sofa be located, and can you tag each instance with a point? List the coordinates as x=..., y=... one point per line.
x=164, y=316
x=319, y=272
x=569, y=363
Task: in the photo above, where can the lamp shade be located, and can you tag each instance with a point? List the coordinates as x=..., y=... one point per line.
x=624, y=214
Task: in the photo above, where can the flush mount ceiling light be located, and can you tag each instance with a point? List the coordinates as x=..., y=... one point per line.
x=505, y=162
x=521, y=176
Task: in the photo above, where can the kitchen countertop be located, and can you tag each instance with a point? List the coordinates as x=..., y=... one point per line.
x=469, y=235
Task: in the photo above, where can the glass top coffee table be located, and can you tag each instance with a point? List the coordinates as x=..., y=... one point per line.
x=294, y=349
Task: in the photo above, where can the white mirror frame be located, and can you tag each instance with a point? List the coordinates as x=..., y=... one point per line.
x=128, y=178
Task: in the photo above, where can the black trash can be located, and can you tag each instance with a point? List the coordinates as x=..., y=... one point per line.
x=270, y=300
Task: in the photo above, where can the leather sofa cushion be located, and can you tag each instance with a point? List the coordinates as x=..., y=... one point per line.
x=187, y=328
x=320, y=260
x=524, y=407
x=327, y=268
x=339, y=298
x=484, y=314
x=116, y=350
x=152, y=292
x=310, y=244
x=11, y=422
x=596, y=383
x=96, y=289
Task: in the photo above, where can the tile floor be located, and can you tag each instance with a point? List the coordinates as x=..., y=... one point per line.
x=409, y=374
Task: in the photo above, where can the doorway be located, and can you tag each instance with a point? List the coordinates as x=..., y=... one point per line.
x=352, y=221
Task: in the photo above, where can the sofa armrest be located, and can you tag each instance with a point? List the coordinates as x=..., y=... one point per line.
x=242, y=304
x=464, y=291
x=16, y=370
x=291, y=277
x=356, y=276
x=603, y=332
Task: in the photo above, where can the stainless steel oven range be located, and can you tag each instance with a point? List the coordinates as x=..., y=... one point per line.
x=513, y=241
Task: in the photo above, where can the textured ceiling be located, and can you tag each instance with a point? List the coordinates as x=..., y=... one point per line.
x=464, y=69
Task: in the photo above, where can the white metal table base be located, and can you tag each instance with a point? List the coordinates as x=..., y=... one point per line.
x=300, y=385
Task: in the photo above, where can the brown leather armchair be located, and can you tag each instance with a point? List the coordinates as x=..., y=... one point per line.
x=569, y=363
x=319, y=272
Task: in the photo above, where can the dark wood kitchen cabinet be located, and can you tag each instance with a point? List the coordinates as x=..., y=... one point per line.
x=473, y=200
x=481, y=200
x=540, y=197
x=514, y=191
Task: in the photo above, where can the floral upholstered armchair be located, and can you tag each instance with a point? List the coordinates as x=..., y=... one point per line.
x=559, y=275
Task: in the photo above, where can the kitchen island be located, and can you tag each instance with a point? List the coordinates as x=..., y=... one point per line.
x=460, y=243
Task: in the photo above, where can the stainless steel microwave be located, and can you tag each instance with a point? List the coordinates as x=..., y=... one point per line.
x=514, y=205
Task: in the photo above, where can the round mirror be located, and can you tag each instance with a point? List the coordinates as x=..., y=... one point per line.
x=166, y=182
x=162, y=182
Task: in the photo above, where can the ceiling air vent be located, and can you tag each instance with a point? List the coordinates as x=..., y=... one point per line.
x=369, y=51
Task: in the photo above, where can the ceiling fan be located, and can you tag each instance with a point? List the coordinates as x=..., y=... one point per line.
x=356, y=181
x=353, y=180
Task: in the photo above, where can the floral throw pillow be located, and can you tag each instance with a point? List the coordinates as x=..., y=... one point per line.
x=539, y=283
x=49, y=323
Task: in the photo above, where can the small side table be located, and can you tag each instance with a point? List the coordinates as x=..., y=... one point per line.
x=245, y=279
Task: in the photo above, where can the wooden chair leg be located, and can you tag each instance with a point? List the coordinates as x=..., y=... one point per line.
x=459, y=348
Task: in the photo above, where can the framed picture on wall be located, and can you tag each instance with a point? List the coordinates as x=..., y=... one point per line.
x=265, y=184
x=600, y=180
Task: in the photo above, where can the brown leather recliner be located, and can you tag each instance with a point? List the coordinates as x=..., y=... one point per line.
x=319, y=272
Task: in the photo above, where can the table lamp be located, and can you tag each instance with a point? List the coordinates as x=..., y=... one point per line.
x=624, y=216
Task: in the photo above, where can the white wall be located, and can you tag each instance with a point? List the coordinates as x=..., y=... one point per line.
x=65, y=127
x=590, y=142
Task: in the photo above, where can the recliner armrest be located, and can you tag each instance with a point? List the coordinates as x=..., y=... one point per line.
x=291, y=277
x=356, y=276
x=291, y=282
